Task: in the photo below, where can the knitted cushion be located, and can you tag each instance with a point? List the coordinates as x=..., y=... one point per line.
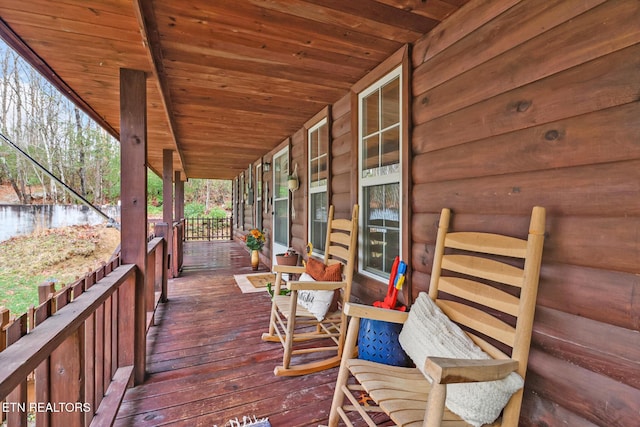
x=429, y=332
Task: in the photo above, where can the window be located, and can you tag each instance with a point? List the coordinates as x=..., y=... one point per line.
x=380, y=174
x=318, y=137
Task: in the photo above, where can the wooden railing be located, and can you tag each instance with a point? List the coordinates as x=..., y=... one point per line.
x=77, y=346
x=198, y=228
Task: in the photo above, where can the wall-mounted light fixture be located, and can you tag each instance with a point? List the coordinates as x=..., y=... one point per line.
x=266, y=166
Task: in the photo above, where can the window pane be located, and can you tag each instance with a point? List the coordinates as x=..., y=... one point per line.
x=258, y=182
x=381, y=227
x=322, y=170
x=313, y=144
x=391, y=103
x=313, y=173
x=259, y=214
x=370, y=153
x=318, y=221
x=280, y=219
x=370, y=114
x=323, y=140
x=390, y=146
x=280, y=189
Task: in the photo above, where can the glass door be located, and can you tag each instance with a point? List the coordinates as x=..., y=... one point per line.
x=280, y=167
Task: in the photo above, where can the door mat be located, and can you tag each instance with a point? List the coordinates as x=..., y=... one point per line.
x=255, y=282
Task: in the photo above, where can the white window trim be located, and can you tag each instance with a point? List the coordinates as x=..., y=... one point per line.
x=379, y=180
x=318, y=189
x=258, y=195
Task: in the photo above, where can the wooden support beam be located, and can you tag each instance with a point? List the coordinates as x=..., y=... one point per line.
x=179, y=215
x=133, y=158
x=179, y=196
x=151, y=36
x=167, y=201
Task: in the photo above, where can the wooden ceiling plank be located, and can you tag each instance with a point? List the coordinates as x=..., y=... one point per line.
x=234, y=117
x=272, y=24
x=252, y=57
x=435, y=9
x=97, y=8
x=259, y=47
x=302, y=8
x=89, y=49
x=324, y=76
x=240, y=83
x=381, y=14
x=63, y=12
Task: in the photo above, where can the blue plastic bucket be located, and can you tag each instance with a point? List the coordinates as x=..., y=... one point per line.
x=378, y=342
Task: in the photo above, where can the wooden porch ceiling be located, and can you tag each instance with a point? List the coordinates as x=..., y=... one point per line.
x=228, y=80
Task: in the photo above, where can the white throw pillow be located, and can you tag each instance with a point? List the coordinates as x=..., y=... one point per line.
x=429, y=332
x=317, y=302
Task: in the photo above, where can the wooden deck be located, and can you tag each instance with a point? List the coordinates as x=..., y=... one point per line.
x=206, y=361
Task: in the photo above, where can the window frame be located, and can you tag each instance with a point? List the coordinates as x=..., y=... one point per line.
x=379, y=180
x=258, y=222
x=317, y=124
x=401, y=59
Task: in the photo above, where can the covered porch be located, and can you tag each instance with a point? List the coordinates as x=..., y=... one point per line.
x=403, y=107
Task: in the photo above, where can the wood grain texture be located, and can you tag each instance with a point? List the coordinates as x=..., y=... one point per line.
x=209, y=364
x=599, y=399
x=275, y=62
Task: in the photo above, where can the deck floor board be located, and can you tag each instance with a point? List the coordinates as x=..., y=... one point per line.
x=206, y=361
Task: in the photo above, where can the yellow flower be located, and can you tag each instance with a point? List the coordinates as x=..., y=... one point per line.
x=255, y=239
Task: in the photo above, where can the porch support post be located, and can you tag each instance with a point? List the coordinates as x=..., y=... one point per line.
x=179, y=212
x=133, y=167
x=167, y=202
x=179, y=188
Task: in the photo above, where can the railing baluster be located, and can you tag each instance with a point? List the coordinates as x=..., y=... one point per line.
x=106, y=367
x=66, y=380
x=98, y=365
x=17, y=399
x=114, y=333
x=89, y=367
x=42, y=385
x=4, y=321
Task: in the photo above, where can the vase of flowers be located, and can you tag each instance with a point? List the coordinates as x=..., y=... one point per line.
x=255, y=241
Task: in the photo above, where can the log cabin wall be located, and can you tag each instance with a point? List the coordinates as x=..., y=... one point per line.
x=538, y=104
x=517, y=104
x=298, y=163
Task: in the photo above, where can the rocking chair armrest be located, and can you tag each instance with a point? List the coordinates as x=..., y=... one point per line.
x=291, y=269
x=374, y=313
x=448, y=371
x=314, y=286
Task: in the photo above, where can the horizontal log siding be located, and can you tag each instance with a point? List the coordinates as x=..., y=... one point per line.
x=536, y=103
x=299, y=198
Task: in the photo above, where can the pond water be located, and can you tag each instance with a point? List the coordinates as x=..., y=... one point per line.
x=17, y=220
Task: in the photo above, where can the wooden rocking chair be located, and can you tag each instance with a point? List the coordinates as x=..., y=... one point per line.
x=294, y=325
x=497, y=272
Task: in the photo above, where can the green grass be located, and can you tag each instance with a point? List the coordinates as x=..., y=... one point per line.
x=58, y=255
x=19, y=293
